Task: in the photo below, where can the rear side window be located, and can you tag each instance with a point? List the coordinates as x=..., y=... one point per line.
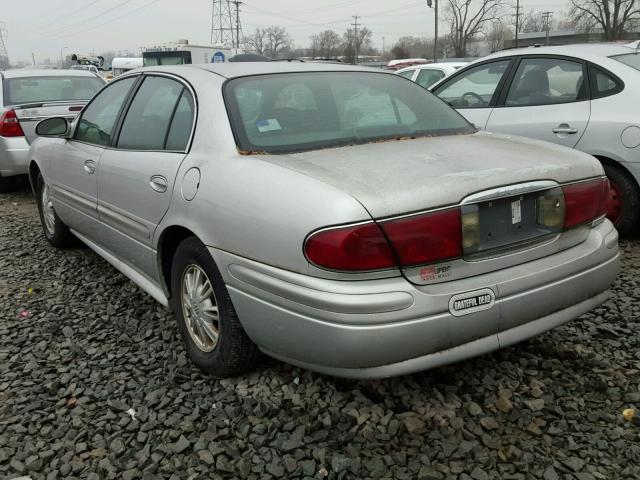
x=98, y=119
x=147, y=122
x=547, y=81
x=49, y=89
x=407, y=74
x=603, y=83
x=181, y=125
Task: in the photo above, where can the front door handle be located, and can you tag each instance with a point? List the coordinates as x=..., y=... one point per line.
x=158, y=183
x=565, y=128
x=90, y=167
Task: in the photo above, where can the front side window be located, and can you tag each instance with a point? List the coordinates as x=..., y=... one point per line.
x=49, y=89
x=547, y=81
x=98, y=119
x=147, y=122
x=475, y=87
x=306, y=111
x=429, y=76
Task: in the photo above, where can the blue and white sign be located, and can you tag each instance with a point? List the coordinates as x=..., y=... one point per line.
x=218, y=57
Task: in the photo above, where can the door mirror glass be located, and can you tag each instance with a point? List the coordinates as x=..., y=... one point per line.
x=475, y=87
x=52, y=127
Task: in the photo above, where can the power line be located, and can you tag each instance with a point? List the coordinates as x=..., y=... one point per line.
x=55, y=33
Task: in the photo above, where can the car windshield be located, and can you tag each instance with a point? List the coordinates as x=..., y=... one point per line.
x=292, y=112
x=23, y=90
x=631, y=59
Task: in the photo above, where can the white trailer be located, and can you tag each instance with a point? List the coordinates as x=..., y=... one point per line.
x=120, y=65
x=183, y=52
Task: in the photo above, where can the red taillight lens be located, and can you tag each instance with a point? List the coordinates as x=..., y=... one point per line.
x=9, y=125
x=585, y=201
x=426, y=238
x=351, y=248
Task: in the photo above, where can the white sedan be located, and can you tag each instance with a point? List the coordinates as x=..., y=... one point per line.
x=581, y=96
x=430, y=73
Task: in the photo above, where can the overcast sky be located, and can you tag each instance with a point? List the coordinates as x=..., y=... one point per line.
x=45, y=27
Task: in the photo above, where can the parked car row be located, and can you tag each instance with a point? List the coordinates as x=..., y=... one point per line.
x=581, y=96
x=29, y=96
x=337, y=218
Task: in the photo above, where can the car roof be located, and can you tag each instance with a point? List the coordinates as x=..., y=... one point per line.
x=243, y=69
x=581, y=50
x=433, y=65
x=24, y=72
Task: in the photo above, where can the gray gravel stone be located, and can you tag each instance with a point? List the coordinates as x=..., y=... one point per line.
x=94, y=346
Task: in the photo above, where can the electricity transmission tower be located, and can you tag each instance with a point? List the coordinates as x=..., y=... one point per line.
x=4, y=56
x=226, y=28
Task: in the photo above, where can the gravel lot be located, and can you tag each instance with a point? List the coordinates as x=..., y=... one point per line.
x=80, y=345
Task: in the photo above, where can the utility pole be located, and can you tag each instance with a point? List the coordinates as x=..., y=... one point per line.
x=547, y=20
x=517, y=15
x=4, y=56
x=237, y=4
x=434, y=4
x=355, y=26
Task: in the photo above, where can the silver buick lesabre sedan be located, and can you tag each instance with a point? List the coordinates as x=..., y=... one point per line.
x=343, y=220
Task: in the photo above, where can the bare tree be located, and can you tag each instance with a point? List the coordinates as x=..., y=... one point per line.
x=257, y=41
x=533, y=21
x=612, y=16
x=361, y=43
x=468, y=18
x=326, y=44
x=278, y=41
x=497, y=36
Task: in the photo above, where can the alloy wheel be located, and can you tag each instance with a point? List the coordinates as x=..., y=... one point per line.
x=48, y=213
x=200, y=308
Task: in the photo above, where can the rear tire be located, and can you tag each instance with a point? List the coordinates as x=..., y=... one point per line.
x=208, y=323
x=623, y=208
x=55, y=231
x=8, y=184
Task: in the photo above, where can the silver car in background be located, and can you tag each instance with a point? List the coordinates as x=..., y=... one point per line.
x=585, y=97
x=27, y=97
x=430, y=73
x=337, y=218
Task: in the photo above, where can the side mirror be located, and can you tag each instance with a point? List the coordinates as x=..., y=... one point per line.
x=52, y=127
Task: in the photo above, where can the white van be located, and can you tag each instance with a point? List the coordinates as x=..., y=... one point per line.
x=120, y=65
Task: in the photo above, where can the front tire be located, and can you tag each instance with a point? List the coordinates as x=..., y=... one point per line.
x=55, y=231
x=623, y=206
x=208, y=323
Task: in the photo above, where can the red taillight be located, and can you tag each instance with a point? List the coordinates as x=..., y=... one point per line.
x=426, y=238
x=350, y=248
x=9, y=124
x=585, y=201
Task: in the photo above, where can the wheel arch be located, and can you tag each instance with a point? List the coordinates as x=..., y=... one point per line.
x=168, y=242
x=604, y=160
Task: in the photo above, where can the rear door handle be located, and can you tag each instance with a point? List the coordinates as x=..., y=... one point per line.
x=565, y=129
x=158, y=183
x=90, y=167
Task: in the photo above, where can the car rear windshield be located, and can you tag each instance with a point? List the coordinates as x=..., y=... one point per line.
x=23, y=90
x=631, y=59
x=291, y=112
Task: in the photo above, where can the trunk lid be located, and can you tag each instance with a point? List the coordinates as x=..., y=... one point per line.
x=497, y=175
x=29, y=115
x=398, y=177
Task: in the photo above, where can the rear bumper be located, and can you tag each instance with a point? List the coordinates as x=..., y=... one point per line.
x=387, y=327
x=14, y=156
